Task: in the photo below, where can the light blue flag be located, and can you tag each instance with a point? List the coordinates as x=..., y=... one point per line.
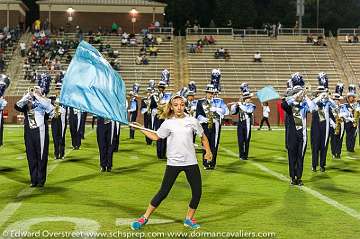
x=267, y=93
x=91, y=85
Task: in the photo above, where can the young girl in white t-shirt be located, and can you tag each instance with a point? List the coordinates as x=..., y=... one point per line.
x=178, y=128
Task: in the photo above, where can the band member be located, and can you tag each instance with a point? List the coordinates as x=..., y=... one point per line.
x=4, y=83
x=178, y=128
x=296, y=106
x=222, y=110
x=133, y=107
x=75, y=127
x=215, y=79
x=350, y=112
x=162, y=99
x=320, y=126
x=208, y=115
x=105, y=139
x=165, y=76
x=245, y=109
x=58, y=124
x=337, y=123
x=37, y=109
x=83, y=124
x=147, y=104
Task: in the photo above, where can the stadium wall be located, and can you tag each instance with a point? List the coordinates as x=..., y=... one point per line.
x=92, y=20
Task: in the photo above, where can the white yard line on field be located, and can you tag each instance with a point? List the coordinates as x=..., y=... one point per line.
x=314, y=193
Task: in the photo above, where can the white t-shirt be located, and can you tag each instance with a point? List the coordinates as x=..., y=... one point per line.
x=266, y=111
x=180, y=149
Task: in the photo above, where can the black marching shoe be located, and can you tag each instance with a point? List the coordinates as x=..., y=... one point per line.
x=108, y=169
x=293, y=182
x=300, y=182
x=40, y=185
x=322, y=169
x=102, y=169
x=313, y=169
x=33, y=185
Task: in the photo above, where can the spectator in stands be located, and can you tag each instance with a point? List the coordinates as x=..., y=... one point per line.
x=229, y=23
x=347, y=38
x=22, y=49
x=133, y=41
x=211, y=40
x=192, y=48
x=98, y=38
x=158, y=40
x=114, y=27
x=68, y=58
x=227, y=55
x=355, y=39
x=220, y=53
x=157, y=24
x=212, y=24
x=153, y=50
x=257, y=57
x=115, y=64
x=2, y=64
x=206, y=40
x=187, y=24
x=141, y=60
x=309, y=39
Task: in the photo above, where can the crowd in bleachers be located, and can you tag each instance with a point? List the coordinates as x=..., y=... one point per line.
x=8, y=39
x=353, y=39
x=198, y=46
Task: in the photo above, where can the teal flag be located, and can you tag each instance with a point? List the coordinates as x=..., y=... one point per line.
x=267, y=93
x=92, y=85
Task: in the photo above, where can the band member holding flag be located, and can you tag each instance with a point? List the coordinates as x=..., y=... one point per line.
x=178, y=128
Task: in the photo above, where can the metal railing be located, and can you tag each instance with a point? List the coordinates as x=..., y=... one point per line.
x=348, y=31
x=209, y=31
x=253, y=32
x=303, y=31
x=162, y=30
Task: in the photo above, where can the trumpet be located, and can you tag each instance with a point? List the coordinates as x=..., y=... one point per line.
x=356, y=118
x=338, y=121
x=209, y=114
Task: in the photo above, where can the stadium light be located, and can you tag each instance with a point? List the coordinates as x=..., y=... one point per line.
x=133, y=14
x=70, y=11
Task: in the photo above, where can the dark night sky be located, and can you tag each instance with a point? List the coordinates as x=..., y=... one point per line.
x=33, y=11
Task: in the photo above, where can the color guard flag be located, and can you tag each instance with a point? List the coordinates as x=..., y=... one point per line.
x=267, y=93
x=91, y=85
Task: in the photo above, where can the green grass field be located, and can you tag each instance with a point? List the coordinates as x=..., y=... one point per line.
x=239, y=196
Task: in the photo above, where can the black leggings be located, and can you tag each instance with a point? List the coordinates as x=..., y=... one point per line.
x=266, y=120
x=193, y=176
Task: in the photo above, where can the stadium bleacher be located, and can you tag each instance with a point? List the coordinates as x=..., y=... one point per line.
x=280, y=58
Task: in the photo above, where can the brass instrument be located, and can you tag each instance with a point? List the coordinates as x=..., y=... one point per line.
x=356, y=118
x=57, y=108
x=338, y=121
x=209, y=114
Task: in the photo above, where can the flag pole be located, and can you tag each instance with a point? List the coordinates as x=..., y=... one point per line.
x=142, y=128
